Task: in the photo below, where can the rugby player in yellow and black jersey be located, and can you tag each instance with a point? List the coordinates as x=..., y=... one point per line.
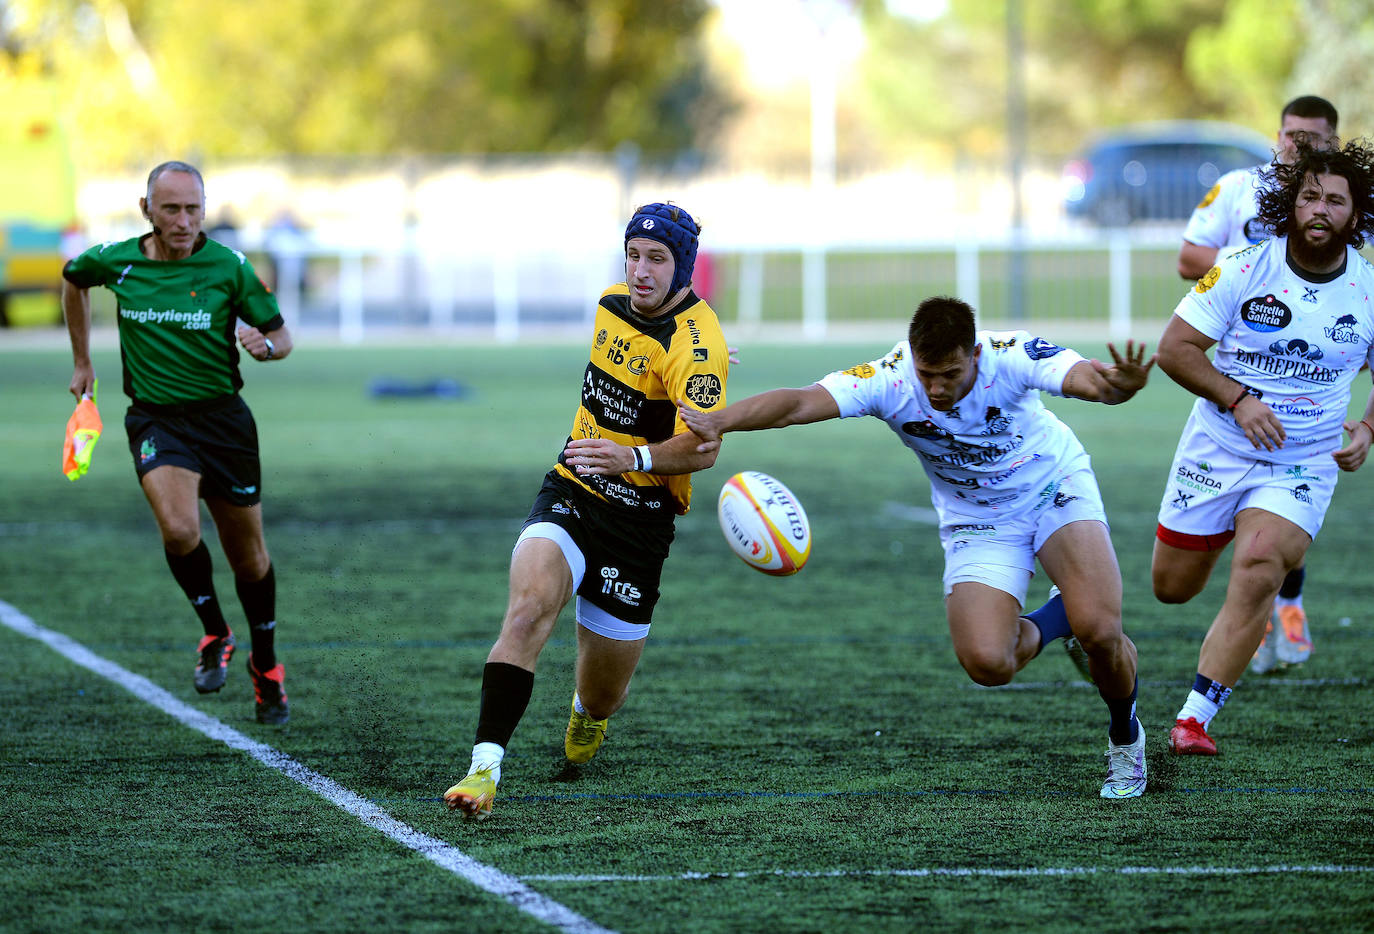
x=602, y=522
x=191, y=435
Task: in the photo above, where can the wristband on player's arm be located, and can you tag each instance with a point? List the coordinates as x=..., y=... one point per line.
x=1244, y=391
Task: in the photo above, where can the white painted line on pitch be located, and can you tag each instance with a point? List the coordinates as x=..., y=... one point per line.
x=442, y=854
x=945, y=872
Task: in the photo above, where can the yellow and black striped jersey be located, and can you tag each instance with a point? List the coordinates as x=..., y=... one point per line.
x=637, y=368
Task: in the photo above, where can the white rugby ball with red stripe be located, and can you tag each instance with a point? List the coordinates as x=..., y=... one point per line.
x=764, y=523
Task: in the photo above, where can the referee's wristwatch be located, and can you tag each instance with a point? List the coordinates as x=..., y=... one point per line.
x=271, y=350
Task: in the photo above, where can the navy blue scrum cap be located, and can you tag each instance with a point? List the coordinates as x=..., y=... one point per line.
x=673, y=227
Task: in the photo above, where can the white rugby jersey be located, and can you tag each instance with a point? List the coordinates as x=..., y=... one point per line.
x=1227, y=216
x=1297, y=340
x=999, y=448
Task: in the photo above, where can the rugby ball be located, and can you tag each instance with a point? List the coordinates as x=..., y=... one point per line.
x=764, y=523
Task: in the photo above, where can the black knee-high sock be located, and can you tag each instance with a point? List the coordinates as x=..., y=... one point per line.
x=195, y=573
x=1122, y=727
x=259, y=600
x=1291, y=588
x=506, y=691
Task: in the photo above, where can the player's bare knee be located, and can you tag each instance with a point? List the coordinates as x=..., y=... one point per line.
x=180, y=538
x=989, y=669
x=1170, y=589
x=528, y=623
x=1104, y=640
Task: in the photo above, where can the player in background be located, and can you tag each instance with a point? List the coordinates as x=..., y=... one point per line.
x=190, y=433
x=602, y=523
x=1257, y=462
x=1225, y=221
x=1010, y=482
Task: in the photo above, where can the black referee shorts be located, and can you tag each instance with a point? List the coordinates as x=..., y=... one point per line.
x=217, y=439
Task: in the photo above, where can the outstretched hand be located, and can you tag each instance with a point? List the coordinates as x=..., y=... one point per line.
x=703, y=425
x=1128, y=373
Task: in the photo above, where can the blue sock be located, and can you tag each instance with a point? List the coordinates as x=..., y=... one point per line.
x=1123, y=728
x=1214, y=691
x=1051, y=620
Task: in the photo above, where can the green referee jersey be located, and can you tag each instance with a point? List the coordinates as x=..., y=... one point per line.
x=176, y=317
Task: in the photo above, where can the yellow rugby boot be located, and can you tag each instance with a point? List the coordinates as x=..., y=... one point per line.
x=584, y=736
x=473, y=795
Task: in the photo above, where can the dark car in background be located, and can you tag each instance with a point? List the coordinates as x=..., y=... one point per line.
x=1156, y=171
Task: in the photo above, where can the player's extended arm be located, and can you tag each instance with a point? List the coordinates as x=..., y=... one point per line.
x=1194, y=259
x=1094, y=381
x=1183, y=355
x=76, y=308
x=776, y=408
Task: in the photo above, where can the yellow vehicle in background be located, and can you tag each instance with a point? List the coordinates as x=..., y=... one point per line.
x=37, y=203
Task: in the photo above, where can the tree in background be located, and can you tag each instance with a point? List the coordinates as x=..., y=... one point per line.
x=1090, y=64
x=272, y=78
x=261, y=78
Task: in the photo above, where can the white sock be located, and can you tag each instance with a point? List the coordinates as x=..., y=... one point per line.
x=1199, y=708
x=577, y=704
x=488, y=756
x=1289, y=601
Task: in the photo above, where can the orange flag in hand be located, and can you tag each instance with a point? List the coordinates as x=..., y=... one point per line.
x=83, y=431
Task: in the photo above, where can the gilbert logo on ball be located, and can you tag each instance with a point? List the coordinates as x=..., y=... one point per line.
x=764, y=523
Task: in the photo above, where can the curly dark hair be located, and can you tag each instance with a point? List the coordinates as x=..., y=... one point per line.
x=1278, y=196
x=941, y=328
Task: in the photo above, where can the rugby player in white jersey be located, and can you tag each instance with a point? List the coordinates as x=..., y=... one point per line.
x=1292, y=323
x=1225, y=221
x=1011, y=484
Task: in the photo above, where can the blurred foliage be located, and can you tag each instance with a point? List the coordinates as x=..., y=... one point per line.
x=1088, y=64
x=354, y=77
x=264, y=78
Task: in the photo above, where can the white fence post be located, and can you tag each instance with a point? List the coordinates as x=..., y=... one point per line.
x=1119, y=285
x=750, y=288
x=966, y=273
x=813, y=292
x=351, y=297
x=506, y=297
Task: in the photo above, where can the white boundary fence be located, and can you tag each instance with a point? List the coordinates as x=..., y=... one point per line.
x=1103, y=282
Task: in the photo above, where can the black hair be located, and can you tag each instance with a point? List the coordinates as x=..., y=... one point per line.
x=1278, y=196
x=942, y=327
x=1309, y=107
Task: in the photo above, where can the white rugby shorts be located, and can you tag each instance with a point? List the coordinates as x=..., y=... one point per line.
x=999, y=548
x=1208, y=485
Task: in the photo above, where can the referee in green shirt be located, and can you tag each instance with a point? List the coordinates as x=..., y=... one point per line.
x=179, y=296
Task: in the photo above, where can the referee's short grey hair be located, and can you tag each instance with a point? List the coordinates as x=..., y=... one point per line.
x=174, y=166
